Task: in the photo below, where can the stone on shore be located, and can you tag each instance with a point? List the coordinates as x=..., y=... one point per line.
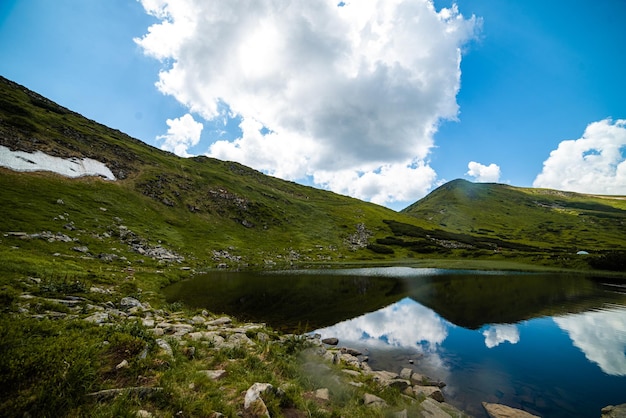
x=331, y=341
x=495, y=410
x=611, y=411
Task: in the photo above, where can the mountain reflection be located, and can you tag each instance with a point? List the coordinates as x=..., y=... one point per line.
x=601, y=336
x=404, y=324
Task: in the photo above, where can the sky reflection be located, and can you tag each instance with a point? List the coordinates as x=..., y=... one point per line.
x=500, y=333
x=404, y=324
x=601, y=336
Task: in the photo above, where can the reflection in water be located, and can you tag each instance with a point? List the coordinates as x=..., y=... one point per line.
x=404, y=324
x=500, y=333
x=516, y=339
x=601, y=335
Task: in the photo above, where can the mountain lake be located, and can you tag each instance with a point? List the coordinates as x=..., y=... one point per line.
x=551, y=344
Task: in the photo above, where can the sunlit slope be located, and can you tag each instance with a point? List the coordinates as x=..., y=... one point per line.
x=541, y=218
x=193, y=206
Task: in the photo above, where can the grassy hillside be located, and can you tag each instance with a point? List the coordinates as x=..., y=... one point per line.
x=209, y=211
x=547, y=220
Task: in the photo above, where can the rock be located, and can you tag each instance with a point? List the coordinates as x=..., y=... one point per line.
x=127, y=303
x=432, y=392
x=253, y=404
x=165, y=346
x=122, y=365
x=213, y=374
x=495, y=410
x=141, y=392
x=351, y=351
x=432, y=409
x=331, y=341
x=142, y=413
x=611, y=411
x=373, y=400
x=406, y=373
x=81, y=249
x=322, y=394
x=98, y=318
x=238, y=341
x=198, y=320
x=401, y=414
x=220, y=321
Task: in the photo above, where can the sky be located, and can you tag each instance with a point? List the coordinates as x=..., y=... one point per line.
x=383, y=100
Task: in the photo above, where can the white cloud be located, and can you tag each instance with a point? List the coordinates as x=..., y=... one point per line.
x=601, y=336
x=500, y=333
x=484, y=173
x=594, y=163
x=351, y=95
x=183, y=133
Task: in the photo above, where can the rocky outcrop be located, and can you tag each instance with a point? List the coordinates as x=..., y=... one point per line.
x=611, y=411
x=495, y=410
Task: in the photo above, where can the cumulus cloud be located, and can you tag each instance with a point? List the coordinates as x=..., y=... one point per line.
x=350, y=96
x=183, y=133
x=594, y=163
x=500, y=333
x=484, y=173
x=601, y=335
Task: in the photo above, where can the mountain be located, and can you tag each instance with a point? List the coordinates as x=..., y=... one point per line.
x=541, y=218
x=208, y=212
x=146, y=208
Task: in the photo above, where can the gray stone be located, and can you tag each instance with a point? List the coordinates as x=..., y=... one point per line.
x=122, y=365
x=495, y=410
x=331, y=341
x=128, y=303
x=213, y=374
x=432, y=392
x=220, y=321
x=611, y=411
x=98, y=318
x=253, y=404
x=373, y=400
x=432, y=409
x=165, y=346
x=322, y=394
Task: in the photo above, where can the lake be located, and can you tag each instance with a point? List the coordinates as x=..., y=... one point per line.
x=551, y=344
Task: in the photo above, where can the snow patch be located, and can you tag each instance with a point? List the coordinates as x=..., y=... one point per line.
x=39, y=161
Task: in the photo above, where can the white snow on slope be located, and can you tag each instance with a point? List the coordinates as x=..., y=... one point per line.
x=39, y=161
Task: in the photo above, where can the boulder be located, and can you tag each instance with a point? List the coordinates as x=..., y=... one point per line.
x=432, y=392
x=495, y=410
x=220, y=321
x=331, y=341
x=373, y=400
x=253, y=404
x=165, y=346
x=433, y=409
x=611, y=411
x=127, y=303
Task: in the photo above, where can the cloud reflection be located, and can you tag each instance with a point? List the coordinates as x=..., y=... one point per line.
x=500, y=333
x=601, y=335
x=404, y=324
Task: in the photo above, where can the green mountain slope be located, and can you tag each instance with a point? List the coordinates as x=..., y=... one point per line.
x=541, y=218
x=207, y=211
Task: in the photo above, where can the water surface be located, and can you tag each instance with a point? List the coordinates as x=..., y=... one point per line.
x=554, y=345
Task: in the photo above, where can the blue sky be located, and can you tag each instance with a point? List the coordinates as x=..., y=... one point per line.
x=367, y=99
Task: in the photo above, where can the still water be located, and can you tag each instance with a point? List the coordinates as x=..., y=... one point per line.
x=553, y=345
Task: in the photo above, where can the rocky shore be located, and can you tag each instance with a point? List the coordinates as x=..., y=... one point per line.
x=178, y=333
